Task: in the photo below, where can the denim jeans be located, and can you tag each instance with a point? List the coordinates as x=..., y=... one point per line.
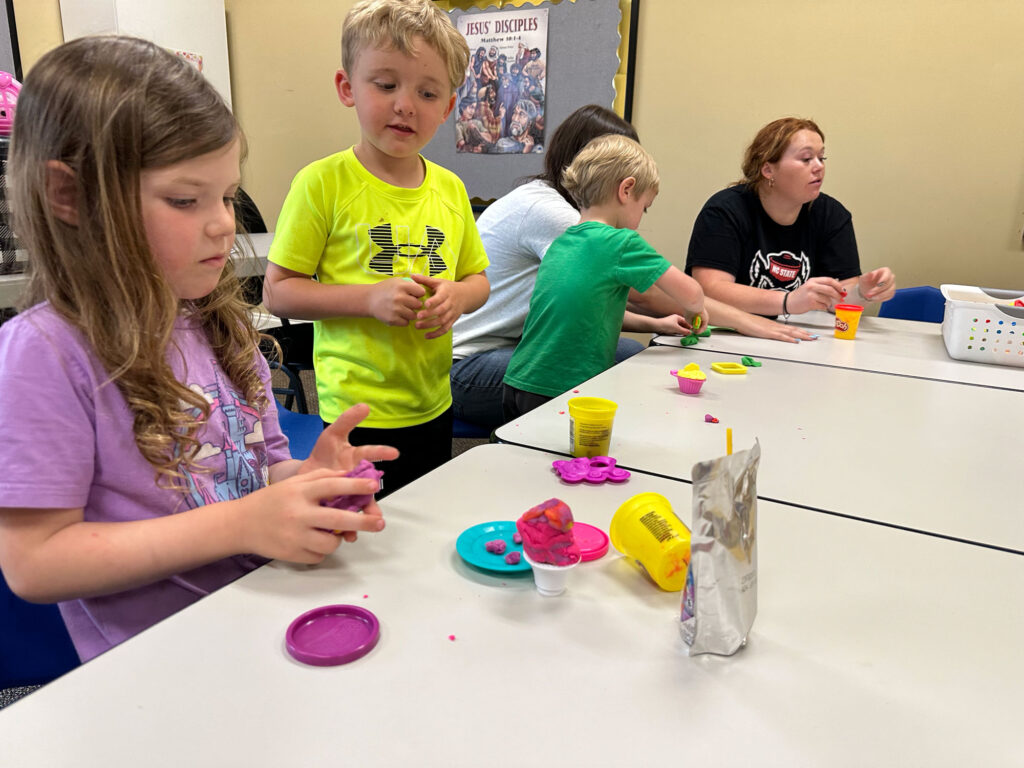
x=477, y=383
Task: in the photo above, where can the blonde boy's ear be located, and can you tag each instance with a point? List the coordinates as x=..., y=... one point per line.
x=343, y=86
x=61, y=193
x=451, y=106
x=627, y=187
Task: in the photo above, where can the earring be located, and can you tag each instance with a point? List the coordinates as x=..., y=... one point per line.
x=771, y=182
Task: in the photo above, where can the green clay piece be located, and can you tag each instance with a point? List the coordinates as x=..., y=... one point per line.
x=705, y=333
x=688, y=341
x=750, y=362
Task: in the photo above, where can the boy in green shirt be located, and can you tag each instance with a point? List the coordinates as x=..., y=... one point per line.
x=590, y=272
x=389, y=236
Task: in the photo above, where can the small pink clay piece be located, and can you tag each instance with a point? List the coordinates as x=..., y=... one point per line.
x=517, y=538
x=710, y=419
x=495, y=546
x=513, y=558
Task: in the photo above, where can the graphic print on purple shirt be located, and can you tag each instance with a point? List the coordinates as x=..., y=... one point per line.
x=243, y=466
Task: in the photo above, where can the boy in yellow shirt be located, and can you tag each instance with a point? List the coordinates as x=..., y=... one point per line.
x=389, y=237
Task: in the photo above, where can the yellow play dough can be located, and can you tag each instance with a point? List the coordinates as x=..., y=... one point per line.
x=590, y=425
x=646, y=530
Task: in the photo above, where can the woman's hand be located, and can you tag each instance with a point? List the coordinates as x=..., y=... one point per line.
x=763, y=328
x=877, y=285
x=817, y=293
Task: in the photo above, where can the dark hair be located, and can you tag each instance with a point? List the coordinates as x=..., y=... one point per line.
x=574, y=134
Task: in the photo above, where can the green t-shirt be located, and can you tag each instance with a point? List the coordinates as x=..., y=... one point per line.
x=576, y=309
x=346, y=226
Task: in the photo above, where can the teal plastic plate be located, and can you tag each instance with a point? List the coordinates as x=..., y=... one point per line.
x=472, y=547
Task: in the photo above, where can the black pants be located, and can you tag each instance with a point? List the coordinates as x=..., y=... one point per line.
x=516, y=402
x=423, y=448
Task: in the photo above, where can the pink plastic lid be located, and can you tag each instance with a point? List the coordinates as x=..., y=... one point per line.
x=332, y=635
x=592, y=541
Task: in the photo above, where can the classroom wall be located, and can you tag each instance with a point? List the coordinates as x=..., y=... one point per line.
x=922, y=104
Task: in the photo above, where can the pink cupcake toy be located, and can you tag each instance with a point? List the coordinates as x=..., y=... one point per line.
x=690, y=379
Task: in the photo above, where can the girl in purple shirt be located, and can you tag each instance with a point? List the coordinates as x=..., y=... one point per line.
x=143, y=462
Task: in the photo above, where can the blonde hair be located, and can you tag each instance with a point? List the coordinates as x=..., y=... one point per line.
x=109, y=108
x=394, y=24
x=770, y=145
x=596, y=172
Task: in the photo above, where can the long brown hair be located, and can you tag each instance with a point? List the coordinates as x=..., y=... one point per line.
x=770, y=144
x=109, y=108
x=572, y=135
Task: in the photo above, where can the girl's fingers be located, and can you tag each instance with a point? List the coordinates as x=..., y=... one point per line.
x=376, y=453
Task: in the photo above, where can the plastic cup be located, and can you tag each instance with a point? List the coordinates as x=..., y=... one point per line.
x=847, y=320
x=646, y=529
x=550, y=579
x=590, y=425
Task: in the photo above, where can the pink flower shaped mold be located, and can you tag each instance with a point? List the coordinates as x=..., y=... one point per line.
x=594, y=470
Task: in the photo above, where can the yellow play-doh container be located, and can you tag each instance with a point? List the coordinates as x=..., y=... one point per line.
x=646, y=530
x=847, y=320
x=590, y=425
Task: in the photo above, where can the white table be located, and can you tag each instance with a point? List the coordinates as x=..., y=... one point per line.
x=883, y=345
x=871, y=647
x=927, y=455
x=248, y=265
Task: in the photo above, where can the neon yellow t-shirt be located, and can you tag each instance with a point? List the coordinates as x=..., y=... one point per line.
x=346, y=226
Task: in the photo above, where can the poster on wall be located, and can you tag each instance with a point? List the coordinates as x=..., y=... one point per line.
x=500, y=106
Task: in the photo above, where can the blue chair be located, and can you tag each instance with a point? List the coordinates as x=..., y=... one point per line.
x=34, y=645
x=921, y=302
x=301, y=427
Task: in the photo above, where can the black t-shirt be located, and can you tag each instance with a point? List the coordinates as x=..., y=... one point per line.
x=734, y=234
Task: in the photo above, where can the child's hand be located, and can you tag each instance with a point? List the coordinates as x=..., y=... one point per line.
x=670, y=325
x=285, y=520
x=696, y=326
x=442, y=309
x=396, y=301
x=333, y=451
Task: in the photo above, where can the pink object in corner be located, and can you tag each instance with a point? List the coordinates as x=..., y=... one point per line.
x=9, y=90
x=547, y=533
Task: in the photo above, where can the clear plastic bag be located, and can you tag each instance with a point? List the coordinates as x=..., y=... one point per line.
x=720, y=596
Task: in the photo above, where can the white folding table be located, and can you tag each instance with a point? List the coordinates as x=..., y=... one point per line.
x=883, y=345
x=872, y=646
x=927, y=455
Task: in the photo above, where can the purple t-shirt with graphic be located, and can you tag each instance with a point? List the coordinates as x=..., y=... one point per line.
x=68, y=442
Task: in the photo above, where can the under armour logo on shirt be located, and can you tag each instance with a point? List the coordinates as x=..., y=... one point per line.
x=390, y=252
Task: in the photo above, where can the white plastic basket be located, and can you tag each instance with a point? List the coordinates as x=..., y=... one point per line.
x=984, y=325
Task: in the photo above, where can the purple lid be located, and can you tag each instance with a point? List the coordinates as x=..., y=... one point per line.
x=592, y=541
x=332, y=634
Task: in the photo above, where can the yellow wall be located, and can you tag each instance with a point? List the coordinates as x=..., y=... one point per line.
x=922, y=103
